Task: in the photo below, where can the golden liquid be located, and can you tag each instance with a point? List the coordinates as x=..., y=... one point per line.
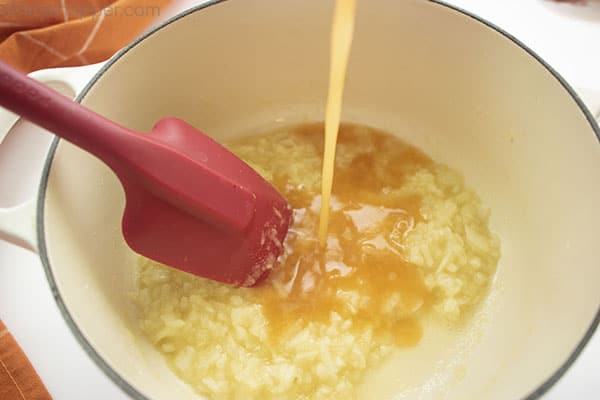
x=342, y=31
x=364, y=251
x=363, y=262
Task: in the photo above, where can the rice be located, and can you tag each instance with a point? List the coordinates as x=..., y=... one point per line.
x=455, y=251
x=214, y=335
x=225, y=342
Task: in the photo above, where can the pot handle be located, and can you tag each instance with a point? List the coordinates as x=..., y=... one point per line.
x=18, y=224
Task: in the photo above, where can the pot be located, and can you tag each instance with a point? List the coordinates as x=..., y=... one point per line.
x=464, y=91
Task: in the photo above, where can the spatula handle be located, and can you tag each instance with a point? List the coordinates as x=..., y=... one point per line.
x=59, y=114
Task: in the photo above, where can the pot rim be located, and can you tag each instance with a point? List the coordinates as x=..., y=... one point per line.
x=127, y=387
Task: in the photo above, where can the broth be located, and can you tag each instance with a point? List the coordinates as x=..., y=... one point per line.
x=342, y=31
x=361, y=257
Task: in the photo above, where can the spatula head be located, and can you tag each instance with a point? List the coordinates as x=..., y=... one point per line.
x=195, y=206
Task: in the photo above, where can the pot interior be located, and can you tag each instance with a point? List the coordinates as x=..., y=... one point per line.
x=464, y=93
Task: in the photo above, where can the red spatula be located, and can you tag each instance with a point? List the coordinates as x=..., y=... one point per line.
x=191, y=204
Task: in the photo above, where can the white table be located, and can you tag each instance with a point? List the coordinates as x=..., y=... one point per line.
x=566, y=38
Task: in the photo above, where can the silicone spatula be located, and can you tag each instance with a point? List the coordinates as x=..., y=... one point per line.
x=190, y=203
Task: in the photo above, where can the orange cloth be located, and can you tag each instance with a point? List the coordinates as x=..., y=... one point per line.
x=18, y=379
x=37, y=34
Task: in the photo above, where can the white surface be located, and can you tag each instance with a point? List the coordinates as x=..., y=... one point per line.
x=561, y=34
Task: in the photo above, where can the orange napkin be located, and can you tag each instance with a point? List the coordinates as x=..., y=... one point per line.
x=37, y=34
x=18, y=379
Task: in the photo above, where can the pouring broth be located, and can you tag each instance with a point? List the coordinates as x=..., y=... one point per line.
x=394, y=240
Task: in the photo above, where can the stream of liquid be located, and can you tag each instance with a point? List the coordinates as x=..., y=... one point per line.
x=342, y=32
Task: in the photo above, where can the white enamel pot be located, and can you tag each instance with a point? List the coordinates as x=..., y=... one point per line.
x=467, y=93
